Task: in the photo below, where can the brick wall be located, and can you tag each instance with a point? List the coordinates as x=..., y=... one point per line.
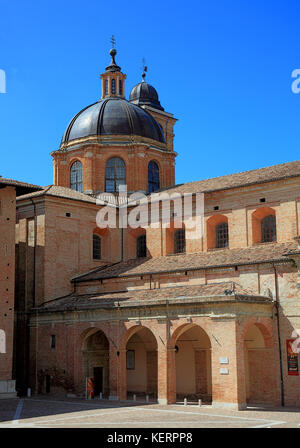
x=7, y=279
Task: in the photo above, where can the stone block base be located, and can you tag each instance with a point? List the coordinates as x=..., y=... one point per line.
x=229, y=406
x=7, y=389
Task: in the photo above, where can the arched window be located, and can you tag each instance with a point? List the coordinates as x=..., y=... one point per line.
x=106, y=87
x=96, y=247
x=114, y=174
x=222, y=235
x=153, y=177
x=120, y=88
x=113, y=86
x=268, y=229
x=179, y=241
x=76, y=176
x=141, y=249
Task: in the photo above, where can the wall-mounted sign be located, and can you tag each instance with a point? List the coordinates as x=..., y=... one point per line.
x=292, y=358
x=224, y=360
x=224, y=371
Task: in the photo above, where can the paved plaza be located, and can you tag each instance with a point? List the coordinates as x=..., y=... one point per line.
x=46, y=412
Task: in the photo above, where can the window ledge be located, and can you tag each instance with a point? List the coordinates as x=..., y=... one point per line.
x=174, y=255
x=264, y=244
x=218, y=248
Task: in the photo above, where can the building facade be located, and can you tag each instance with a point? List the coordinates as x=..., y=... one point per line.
x=9, y=190
x=155, y=308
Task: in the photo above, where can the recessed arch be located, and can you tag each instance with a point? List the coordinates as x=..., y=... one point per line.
x=193, y=362
x=134, y=240
x=95, y=358
x=264, y=225
x=217, y=232
x=175, y=237
x=103, y=250
x=141, y=362
x=260, y=369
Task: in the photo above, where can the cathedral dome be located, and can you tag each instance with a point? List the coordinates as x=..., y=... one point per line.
x=145, y=94
x=113, y=116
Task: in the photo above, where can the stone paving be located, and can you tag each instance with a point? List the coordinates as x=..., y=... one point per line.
x=46, y=412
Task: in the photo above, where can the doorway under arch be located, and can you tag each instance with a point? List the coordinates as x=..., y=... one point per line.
x=96, y=361
x=193, y=365
x=141, y=364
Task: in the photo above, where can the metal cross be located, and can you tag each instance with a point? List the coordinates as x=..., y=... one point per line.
x=113, y=41
x=144, y=66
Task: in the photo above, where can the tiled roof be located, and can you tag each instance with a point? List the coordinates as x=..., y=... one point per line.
x=21, y=187
x=261, y=175
x=215, y=292
x=216, y=258
x=61, y=192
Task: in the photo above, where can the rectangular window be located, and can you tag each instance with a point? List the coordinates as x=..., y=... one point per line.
x=222, y=235
x=130, y=360
x=179, y=241
x=96, y=247
x=53, y=341
x=141, y=250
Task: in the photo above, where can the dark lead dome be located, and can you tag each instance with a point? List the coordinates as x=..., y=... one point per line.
x=113, y=116
x=144, y=94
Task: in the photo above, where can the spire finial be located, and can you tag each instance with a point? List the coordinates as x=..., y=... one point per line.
x=113, y=41
x=113, y=67
x=144, y=67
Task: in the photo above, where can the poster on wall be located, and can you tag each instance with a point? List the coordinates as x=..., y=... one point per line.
x=292, y=358
x=90, y=388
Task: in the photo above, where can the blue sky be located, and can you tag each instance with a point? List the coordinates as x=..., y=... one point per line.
x=223, y=68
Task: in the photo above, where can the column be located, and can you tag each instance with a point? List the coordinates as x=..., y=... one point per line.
x=117, y=374
x=228, y=370
x=166, y=381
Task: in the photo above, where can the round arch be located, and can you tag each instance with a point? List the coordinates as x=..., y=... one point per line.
x=192, y=362
x=258, y=216
x=212, y=224
x=95, y=358
x=141, y=345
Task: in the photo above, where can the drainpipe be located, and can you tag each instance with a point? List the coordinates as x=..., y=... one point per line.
x=27, y=342
x=122, y=236
x=34, y=251
x=122, y=244
x=278, y=330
